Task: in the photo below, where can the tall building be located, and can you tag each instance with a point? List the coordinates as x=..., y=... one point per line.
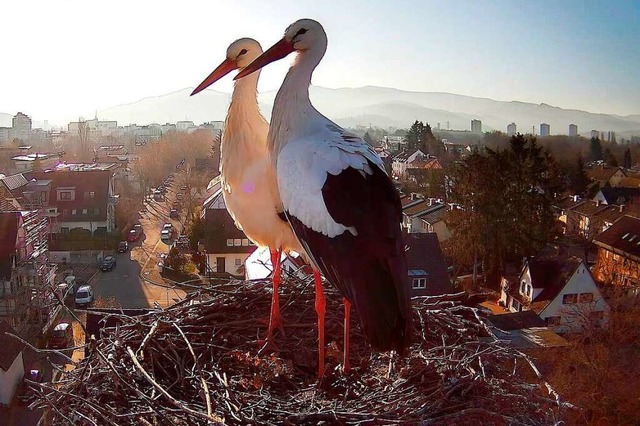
x=476, y=126
x=545, y=129
x=573, y=130
x=511, y=129
x=21, y=122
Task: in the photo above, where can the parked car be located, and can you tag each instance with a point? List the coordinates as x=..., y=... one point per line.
x=179, y=196
x=165, y=235
x=167, y=225
x=137, y=227
x=108, y=263
x=173, y=213
x=25, y=391
x=123, y=246
x=183, y=187
x=157, y=195
x=62, y=336
x=84, y=295
x=133, y=235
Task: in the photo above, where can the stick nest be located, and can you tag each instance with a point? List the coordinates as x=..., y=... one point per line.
x=199, y=363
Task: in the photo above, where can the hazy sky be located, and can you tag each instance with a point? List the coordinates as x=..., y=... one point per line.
x=64, y=58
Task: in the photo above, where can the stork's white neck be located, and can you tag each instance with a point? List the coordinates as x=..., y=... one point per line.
x=244, y=101
x=245, y=130
x=292, y=109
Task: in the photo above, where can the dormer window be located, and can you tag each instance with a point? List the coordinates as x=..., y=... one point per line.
x=66, y=194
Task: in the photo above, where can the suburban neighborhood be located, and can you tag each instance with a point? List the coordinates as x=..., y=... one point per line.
x=102, y=217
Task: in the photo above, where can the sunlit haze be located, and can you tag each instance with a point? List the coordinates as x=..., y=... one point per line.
x=68, y=58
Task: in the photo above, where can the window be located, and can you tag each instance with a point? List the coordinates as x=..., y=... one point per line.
x=229, y=242
x=515, y=305
x=65, y=195
x=419, y=283
x=237, y=242
x=74, y=211
x=238, y=262
x=96, y=211
x=570, y=298
x=522, y=287
x=84, y=211
x=43, y=196
x=64, y=230
x=552, y=321
x=585, y=298
x=245, y=242
x=92, y=194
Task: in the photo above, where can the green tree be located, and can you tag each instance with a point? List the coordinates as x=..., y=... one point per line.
x=627, y=163
x=505, y=198
x=578, y=178
x=595, y=149
x=368, y=139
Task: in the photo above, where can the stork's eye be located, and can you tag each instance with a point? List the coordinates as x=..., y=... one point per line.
x=242, y=52
x=300, y=32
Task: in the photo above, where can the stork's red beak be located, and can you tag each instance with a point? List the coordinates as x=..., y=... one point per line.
x=274, y=53
x=223, y=69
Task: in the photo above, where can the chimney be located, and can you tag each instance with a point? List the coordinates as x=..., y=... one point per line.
x=597, y=203
x=621, y=207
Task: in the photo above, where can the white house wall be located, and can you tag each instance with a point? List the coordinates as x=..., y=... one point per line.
x=10, y=379
x=580, y=282
x=230, y=261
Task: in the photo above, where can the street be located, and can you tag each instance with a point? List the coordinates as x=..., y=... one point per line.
x=135, y=281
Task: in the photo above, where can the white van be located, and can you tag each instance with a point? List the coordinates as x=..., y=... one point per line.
x=84, y=295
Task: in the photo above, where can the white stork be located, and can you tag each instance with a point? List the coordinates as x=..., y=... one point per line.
x=337, y=196
x=248, y=181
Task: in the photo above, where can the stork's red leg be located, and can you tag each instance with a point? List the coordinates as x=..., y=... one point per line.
x=320, y=309
x=275, y=319
x=347, y=314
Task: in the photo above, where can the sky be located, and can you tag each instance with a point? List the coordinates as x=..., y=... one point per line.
x=66, y=58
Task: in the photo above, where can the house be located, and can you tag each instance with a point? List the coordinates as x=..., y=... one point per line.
x=606, y=176
x=559, y=289
x=402, y=161
x=618, y=195
x=258, y=265
x=589, y=218
x=425, y=216
x=11, y=363
x=26, y=276
x=80, y=198
x=427, y=271
x=618, y=260
x=226, y=246
x=10, y=193
x=37, y=161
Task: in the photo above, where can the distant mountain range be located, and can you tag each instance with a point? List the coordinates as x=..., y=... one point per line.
x=382, y=107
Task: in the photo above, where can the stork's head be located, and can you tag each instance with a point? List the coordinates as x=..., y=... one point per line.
x=239, y=54
x=303, y=35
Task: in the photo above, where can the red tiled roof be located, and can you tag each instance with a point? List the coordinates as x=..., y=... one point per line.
x=417, y=208
x=602, y=173
x=219, y=227
x=551, y=275
x=436, y=214
x=83, y=183
x=624, y=236
x=424, y=253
